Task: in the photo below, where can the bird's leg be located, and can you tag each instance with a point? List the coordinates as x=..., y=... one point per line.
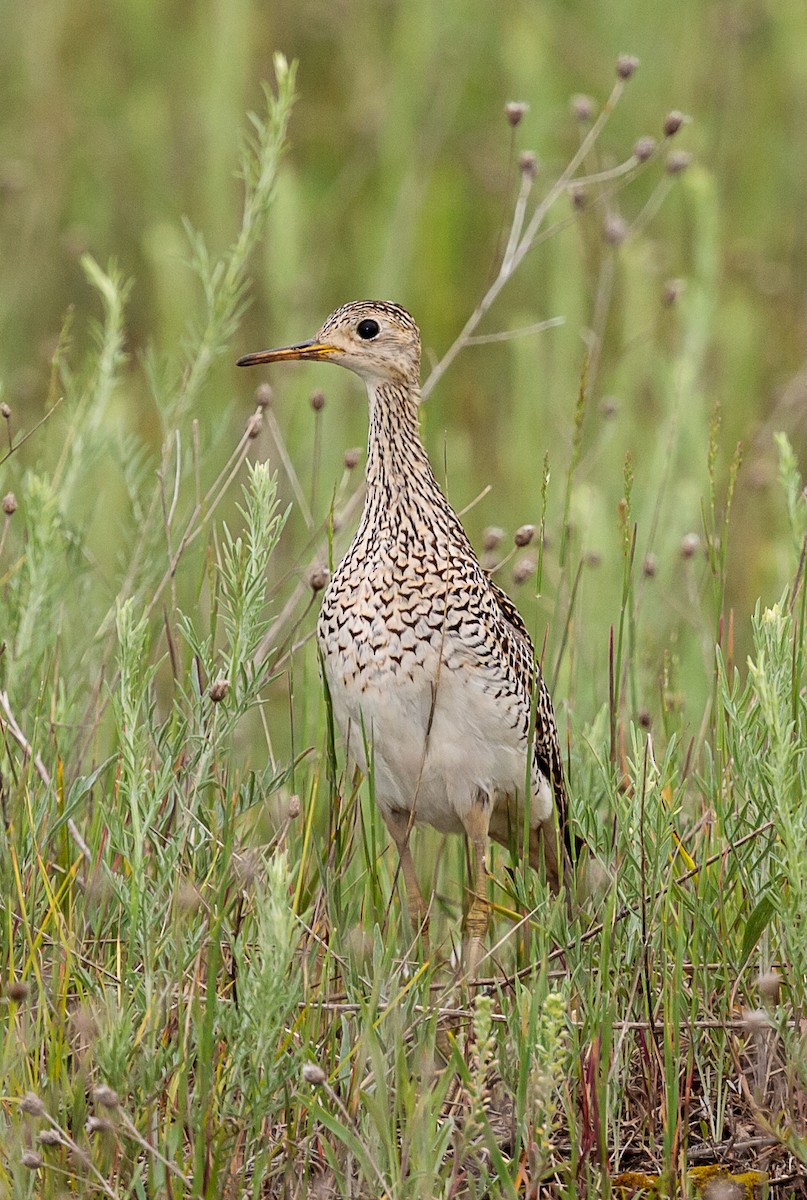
x=553, y=852
x=476, y=822
x=399, y=825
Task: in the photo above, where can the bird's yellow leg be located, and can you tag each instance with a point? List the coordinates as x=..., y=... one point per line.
x=476, y=822
x=399, y=826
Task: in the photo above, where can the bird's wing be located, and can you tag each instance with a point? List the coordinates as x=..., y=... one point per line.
x=547, y=744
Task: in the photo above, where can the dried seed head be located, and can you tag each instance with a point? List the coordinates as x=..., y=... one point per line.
x=524, y=535
x=528, y=164
x=106, y=1096
x=672, y=290
x=98, y=1125
x=264, y=395
x=690, y=545
x=673, y=122
x=524, y=568
x=318, y=578
x=187, y=898
x=32, y=1105
x=614, y=229
x=582, y=107
x=515, y=111
x=756, y=1018
x=254, y=425
x=649, y=567
x=49, y=1137
x=9, y=504
x=17, y=990
x=246, y=867
x=626, y=65
x=83, y=1025
x=492, y=537
x=678, y=161
x=352, y=457
x=314, y=1074
x=295, y=808
x=769, y=986
x=32, y=1160
x=644, y=148
x=317, y=400
x=5, y=411
x=218, y=689
x=645, y=720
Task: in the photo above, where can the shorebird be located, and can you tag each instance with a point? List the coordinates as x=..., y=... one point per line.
x=431, y=671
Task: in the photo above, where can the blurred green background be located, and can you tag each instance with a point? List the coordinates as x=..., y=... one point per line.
x=118, y=119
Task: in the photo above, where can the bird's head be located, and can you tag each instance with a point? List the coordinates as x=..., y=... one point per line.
x=376, y=339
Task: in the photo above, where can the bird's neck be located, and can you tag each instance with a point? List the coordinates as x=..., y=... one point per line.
x=399, y=475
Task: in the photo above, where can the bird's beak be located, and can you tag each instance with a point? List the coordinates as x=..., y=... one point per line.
x=313, y=349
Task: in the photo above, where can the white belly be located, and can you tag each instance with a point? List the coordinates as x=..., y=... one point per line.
x=435, y=762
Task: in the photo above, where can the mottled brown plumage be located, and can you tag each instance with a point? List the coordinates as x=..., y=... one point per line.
x=430, y=667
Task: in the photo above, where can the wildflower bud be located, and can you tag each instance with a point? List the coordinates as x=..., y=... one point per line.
x=673, y=122
x=678, y=161
x=352, y=457
x=98, y=1125
x=295, y=808
x=690, y=545
x=32, y=1160
x=317, y=400
x=769, y=985
x=515, y=111
x=645, y=720
x=672, y=290
x=626, y=65
x=523, y=568
x=264, y=395
x=17, y=991
x=582, y=107
x=528, y=164
x=32, y=1105
x=524, y=535
x=218, y=690
x=106, y=1096
x=314, y=1074
x=649, y=567
x=756, y=1018
x=5, y=411
x=577, y=197
x=609, y=407
x=49, y=1137
x=491, y=537
x=593, y=558
x=644, y=148
x=9, y=503
x=614, y=229
x=254, y=425
x=318, y=579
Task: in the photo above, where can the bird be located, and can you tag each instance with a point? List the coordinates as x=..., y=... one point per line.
x=433, y=679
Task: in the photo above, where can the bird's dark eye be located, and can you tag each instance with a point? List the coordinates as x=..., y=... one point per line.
x=368, y=329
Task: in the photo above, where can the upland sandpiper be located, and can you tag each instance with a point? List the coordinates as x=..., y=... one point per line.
x=431, y=670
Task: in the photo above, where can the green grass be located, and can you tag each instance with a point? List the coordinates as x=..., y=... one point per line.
x=209, y=985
